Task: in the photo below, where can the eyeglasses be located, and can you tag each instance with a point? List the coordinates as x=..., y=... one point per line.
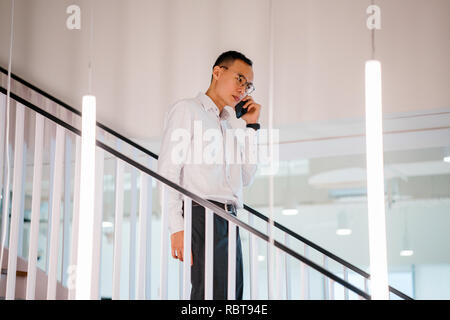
x=241, y=81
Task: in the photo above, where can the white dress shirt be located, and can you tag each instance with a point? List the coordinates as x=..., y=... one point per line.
x=194, y=170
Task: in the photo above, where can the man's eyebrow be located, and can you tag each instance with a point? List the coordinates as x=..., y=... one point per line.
x=241, y=75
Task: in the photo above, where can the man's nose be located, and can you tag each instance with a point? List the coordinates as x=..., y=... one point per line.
x=241, y=91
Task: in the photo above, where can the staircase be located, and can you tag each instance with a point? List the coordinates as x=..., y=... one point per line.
x=37, y=118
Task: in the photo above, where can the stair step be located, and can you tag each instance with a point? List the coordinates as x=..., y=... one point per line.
x=19, y=273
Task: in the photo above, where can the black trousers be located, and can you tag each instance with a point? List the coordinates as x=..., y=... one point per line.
x=220, y=268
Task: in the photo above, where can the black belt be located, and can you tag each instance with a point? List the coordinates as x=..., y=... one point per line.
x=228, y=207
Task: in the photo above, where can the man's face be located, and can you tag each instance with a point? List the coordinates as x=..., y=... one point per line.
x=228, y=87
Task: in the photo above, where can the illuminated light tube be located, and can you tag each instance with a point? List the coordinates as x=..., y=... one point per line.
x=289, y=212
x=375, y=183
x=344, y=232
x=86, y=213
x=447, y=159
x=406, y=253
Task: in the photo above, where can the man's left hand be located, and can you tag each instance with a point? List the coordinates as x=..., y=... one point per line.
x=253, y=110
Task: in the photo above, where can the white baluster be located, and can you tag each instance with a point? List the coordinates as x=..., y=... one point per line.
x=118, y=221
x=305, y=275
x=56, y=214
x=4, y=174
x=35, y=208
x=164, y=245
x=209, y=253
x=187, y=248
x=15, y=214
x=67, y=205
x=325, y=280
x=50, y=199
x=22, y=200
x=98, y=217
x=15, y=210
x=142, y=245
x=231, y=261
x=253, y=257
x=75, y=221
x=148, y=273
x=132, y=256
x=288, y=269
x=346, y=279
x=278, y=274
x=2, y=147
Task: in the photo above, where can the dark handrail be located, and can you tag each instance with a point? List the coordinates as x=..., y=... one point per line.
x=155, y=156
x=322, y=250
x=216, y=209
x=77, y=112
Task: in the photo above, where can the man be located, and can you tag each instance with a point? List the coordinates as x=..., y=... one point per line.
x=220, y=182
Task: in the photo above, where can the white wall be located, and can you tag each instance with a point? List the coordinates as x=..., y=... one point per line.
x=148, y=54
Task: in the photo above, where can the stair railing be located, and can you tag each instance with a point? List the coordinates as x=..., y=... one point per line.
x=67, y=122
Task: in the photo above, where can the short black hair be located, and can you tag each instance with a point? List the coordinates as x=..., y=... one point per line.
x=229, y=57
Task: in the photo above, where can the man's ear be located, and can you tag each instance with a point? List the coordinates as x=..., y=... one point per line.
x=216, y=72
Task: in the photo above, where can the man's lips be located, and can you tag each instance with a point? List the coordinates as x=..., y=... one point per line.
x=236, y=98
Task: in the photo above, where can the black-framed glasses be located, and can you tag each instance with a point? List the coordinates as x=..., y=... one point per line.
x=241, y=81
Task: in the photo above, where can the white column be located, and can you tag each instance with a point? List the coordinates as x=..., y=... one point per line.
x=118, y=221
x=15, y=214
x=75, y=221
x=231, y=261
x=209, y=254
x=164, y=245
x=56, y=214
x=187, y=248
x=35, y=208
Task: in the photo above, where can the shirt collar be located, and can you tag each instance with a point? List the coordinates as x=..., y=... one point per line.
x=208, y=104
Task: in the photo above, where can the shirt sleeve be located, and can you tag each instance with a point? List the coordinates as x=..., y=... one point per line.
x=174, y=151
x=249, y=154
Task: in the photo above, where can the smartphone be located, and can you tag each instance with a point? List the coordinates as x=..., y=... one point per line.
x=240, y=111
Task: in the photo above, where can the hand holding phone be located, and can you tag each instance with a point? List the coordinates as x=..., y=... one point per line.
x=240, y=111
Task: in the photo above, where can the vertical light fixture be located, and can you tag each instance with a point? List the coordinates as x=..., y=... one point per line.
x=406, y=250
x=290, y=208
x=343, y=228
x=87, y=180
x=446, y=157
x=375, y=171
